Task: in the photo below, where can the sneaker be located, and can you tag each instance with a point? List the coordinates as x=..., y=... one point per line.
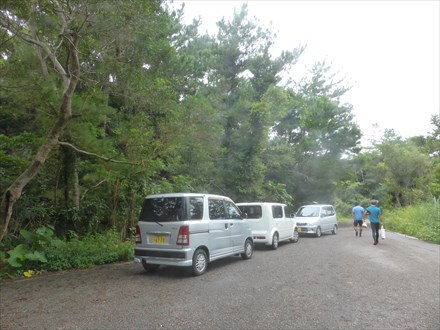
x=375, y=242
x=356, y=233
x=360, y=234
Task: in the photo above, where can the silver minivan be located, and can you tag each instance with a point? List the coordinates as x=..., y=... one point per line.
x=189, y=229
x=316, y=219
x=271, y=223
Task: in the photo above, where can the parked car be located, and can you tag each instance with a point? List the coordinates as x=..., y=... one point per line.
x=271, y=223
x=188, y=229
x=316, y=219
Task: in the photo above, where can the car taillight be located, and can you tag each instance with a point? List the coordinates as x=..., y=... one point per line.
x=138, y=235
x=183, y=236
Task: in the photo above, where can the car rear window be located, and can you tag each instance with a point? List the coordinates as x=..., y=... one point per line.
x=252, y=211
x=169, y=209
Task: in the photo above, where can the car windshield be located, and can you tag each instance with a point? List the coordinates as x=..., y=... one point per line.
x=163, y=209
x=308, y=211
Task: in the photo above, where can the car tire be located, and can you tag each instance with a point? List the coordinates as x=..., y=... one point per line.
x=335, y=230
x=150, y=267
x=295, y=236
x=275, y=241
x=248, y=249
x=318, y=232
x=200, y=262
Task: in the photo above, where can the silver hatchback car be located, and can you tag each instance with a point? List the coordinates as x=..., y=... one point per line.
x=316, y=219
x=188, y=229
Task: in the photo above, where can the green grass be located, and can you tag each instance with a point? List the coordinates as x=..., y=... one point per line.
x=421, y=221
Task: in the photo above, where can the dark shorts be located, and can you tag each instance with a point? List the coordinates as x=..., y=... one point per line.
x=358, y=223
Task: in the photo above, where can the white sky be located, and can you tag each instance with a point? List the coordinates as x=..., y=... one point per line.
x=388, y=51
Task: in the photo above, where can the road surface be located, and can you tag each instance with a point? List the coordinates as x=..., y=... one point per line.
x=332, y=282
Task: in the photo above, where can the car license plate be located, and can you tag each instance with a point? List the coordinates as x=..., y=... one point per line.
x=299, y=229
x=158, y=239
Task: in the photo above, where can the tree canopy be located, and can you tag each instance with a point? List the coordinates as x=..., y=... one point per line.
x=104, y=102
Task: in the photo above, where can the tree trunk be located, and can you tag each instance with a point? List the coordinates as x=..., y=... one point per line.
x=70, y=178
x=114, y=216
x=76, y=191
x=13, y=193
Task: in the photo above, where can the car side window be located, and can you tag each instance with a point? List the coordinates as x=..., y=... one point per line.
x=196, y=208
x=327, y=211
x=216, y=209
x=231, y=211
x=287, y=211
x=277, y=211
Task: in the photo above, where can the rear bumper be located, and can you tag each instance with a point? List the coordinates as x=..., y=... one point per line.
x=170, y=258
x=161, y=261
x=261, y=237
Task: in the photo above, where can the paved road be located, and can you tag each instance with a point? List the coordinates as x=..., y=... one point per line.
x=333, y=282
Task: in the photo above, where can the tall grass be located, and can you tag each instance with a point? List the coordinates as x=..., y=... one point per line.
x=421, y=221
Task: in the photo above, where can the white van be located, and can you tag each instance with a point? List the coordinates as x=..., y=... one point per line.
x=317, y=219
x=271, y=223
x=188, y=229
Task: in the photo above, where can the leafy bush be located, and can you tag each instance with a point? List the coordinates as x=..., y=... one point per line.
x=31, y=250
x=88, y=251
x=42, y=251
x=421, y=221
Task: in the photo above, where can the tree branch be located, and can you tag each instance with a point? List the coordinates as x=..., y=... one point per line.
x=8, y=24
x=91, y=154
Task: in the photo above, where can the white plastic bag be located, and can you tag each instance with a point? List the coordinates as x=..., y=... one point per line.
x=365, y=224
x=383, y=234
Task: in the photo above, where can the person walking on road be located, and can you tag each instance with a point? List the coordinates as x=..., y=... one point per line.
x=375, y=216
x=358, y=218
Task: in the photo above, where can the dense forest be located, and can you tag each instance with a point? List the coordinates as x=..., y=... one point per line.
x=105, y=102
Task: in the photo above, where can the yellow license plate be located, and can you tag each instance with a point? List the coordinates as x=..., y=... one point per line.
x=299, y=229
x=158, y=239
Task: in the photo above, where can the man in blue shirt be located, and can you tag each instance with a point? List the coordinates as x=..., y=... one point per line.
x=358, y=218
x=375, y=215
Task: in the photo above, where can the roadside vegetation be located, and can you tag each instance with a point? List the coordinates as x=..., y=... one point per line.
x=421, y=221
x=96, y=113
x=33, y=253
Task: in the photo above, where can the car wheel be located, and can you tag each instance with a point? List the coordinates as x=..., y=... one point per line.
x=200, y=262
x=318, y=232
x=275, y=241
x=295, y=237
x=150, y=267
x=335, y=230
x=248, y=249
